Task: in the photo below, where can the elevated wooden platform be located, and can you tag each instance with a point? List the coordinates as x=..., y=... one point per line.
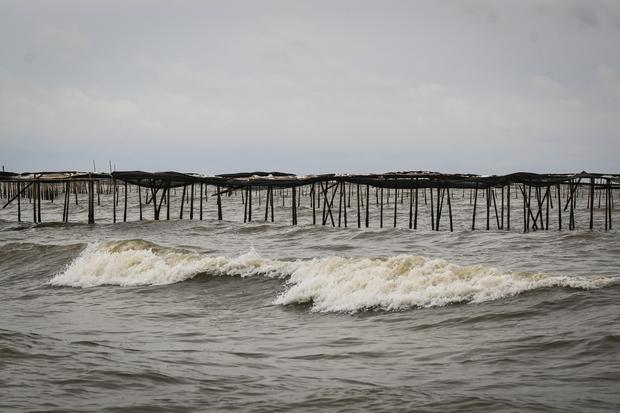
x=536, y=192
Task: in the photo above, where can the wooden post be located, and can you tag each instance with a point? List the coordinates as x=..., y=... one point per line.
x=415, y=214
x=548, y=196
x=508, y=209
x=33, y=191
x=340, y=196
x=91, y=201
x=488, y=199
x=191, y=202
x=219, y=205
x=495, y=207
x=559, y=205
x=591, y=203
x=502, y=212
x=154, y=201
x=114, y=200
x=367, y=203
x=410, y=208
x=248, y=200
x=67, y=200
x=294, y=205
x=271, y=202
x=267, y=203
x=245, y=204
x=609, y=200
x=125, y=210
x=359, y=216
x=473, y=220
x=38, y=201
x=19, y=202
x=606, y=206
x=432, y=209
x=344, y=190
x=381, y=219
x=573, y=204
x=313, y=205
x=182, y=201
x=201, y=196
x=168, y=202
x=140, y=200
x=395, y=204
x=450, y=209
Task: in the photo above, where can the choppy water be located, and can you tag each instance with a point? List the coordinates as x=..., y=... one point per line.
x=207, y=315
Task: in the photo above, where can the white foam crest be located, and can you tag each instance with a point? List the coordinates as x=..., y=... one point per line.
x=138, y=262
x=339, y=284
x=333, y=284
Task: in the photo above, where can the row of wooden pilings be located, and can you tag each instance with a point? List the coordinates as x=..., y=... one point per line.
x=537, y=201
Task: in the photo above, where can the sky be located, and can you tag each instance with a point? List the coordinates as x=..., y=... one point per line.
x=487, y=87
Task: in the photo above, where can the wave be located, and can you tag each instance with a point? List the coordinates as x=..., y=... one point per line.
x=332, y=284
x=139, y=262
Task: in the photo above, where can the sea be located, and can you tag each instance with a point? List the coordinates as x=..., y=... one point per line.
x=194, y=315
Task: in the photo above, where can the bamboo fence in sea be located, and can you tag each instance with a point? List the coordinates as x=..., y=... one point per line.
x=329, y=195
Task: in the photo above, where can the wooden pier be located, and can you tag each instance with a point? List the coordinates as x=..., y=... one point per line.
x=541, y=198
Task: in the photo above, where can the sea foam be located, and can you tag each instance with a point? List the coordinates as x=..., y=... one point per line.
x=331, y=284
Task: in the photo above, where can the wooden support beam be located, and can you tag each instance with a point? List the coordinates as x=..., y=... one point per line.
x=410, y=208
x=415, y=214
x=381, y=206
x=473, y=219
x=182, y=201
x=367, y=203
x=359, y=215
x=450, y=210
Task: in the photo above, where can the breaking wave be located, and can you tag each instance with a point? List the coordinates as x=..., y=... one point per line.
x=332, y=284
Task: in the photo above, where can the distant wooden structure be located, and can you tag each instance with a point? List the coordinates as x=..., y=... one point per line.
x=329, y=195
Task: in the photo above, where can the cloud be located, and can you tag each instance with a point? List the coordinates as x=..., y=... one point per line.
x=336, y=86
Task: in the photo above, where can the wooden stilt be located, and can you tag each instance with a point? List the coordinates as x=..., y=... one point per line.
x=415, y=214
x=359, y=216
x=182, y=201
x=381, y=213
x=201, y=198
x=125, y=208
x=473, y=219
x=410, y=208
x=450, y=210
x=395, y=205
x=367, y=203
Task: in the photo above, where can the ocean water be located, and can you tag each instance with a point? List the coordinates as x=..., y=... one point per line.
x=189, y=315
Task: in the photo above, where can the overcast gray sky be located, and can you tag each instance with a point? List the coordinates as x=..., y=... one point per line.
x=313, y=86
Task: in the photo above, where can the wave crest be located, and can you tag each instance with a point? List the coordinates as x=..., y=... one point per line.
x=139, y=262
x=333, y=284
x=405, y=281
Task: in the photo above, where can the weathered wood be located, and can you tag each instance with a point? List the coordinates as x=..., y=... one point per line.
x=19, y=193
x=367, y=203
x=410, y=208
x=450, y=210
x=381, y=206
x=125, y=207
x=219, y=204
x=432, y=209
x=395, y=206
x=201, y=199
x=114, y=201
x=559, y=192
x=183, y=202
x=313, y=204
x=473, y=219
x=415, y=214
x=359, y=217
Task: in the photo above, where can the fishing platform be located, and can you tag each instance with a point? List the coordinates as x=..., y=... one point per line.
x=329, y=196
